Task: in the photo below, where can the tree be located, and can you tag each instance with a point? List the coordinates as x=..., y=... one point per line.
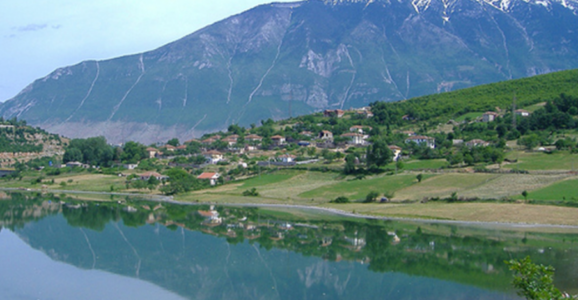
x=133, y=152
x=534, y=282
x=371, y=197
x=311, y=151
x=173, y=142
x=349, y=164
x=378, y=154
x=419, y=177
x=340, y=199
x=525, y=194
x=72, y=154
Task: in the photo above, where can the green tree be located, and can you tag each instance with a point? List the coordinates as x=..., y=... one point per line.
x=72, y=154
x=419, y=177
x=378, y=154
x=173, y=142
x=133, y=152
x=525, y=194
x=371, y=197
x=349, y=164
x=534, y=282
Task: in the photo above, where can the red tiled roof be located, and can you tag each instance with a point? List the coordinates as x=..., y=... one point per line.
x=150, y=174
x=206, y=175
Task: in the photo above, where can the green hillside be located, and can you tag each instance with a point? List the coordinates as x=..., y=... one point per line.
x=483, y=98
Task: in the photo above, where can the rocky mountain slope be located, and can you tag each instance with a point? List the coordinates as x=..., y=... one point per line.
x=284, y=59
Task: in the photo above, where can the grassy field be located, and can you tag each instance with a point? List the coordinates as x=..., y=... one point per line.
x=421, y=164
x=358, y=189
x=562, y=160
x=566, y=190
x=443, y=186
x=475, y=212
x=471, y=116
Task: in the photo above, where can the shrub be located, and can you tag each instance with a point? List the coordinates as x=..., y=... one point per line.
x=371, y=197
x=251, y=193
x=340, y=199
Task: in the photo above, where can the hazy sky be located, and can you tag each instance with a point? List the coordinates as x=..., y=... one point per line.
x=38, y=36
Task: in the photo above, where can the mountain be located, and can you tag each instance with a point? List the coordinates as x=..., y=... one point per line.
x=285, y=59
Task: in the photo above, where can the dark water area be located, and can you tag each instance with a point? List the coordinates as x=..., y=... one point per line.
x=59, y=248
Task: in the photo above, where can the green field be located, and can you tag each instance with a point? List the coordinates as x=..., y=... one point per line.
x=422, y=164
x=471, y=116
x=562, y=160
x=566, y=190
x=358, y=189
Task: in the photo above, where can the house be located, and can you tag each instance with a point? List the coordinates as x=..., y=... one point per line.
x=354, y=138
x=278, y=140
x=152, y=152
x=181, y=147
x=325, y=135
x=253, y=138
x=522, y=113
x=213, y=156
x=209, y=141
x=170, y=148
x=251, y=148
x=359, y=128
x=230, y=140
x=457, y=142
x=422, y=140
x=407, y=132
x=365, y=112
x=191, y=141
x=477, y=143
x=489, y=116
x=148, y=175
x=333, y=113
x=306, y=133
x=212, y=177
x=396, y=152
x=287, y=158
x=130, y=166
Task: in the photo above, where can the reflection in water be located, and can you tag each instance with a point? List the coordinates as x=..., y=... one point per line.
x=202, y=252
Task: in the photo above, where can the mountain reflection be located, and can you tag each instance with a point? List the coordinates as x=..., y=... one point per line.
x=205, y=252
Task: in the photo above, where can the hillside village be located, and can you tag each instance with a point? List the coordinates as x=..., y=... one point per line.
x=419, y=136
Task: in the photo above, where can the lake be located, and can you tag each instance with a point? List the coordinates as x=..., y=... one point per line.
x=56, y=247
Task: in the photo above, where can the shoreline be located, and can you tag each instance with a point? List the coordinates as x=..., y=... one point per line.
x=333, y=211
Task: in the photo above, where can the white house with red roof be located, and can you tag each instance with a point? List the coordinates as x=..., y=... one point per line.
x=278, y=140
x=211, y=176
x=213, y=156
x=355, y=138
x=396, y=152
x=148, y=175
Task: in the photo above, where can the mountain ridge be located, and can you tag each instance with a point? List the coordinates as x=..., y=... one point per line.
x=283, y=59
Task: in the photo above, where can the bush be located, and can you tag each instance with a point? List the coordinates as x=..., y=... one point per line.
x=371, y=197
x=340, y=200
x=251, y=193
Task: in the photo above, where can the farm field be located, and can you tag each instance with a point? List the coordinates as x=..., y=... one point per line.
x=473, y=212
x=533, y=161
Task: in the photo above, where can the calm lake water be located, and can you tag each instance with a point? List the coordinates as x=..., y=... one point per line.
x=142, y=250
